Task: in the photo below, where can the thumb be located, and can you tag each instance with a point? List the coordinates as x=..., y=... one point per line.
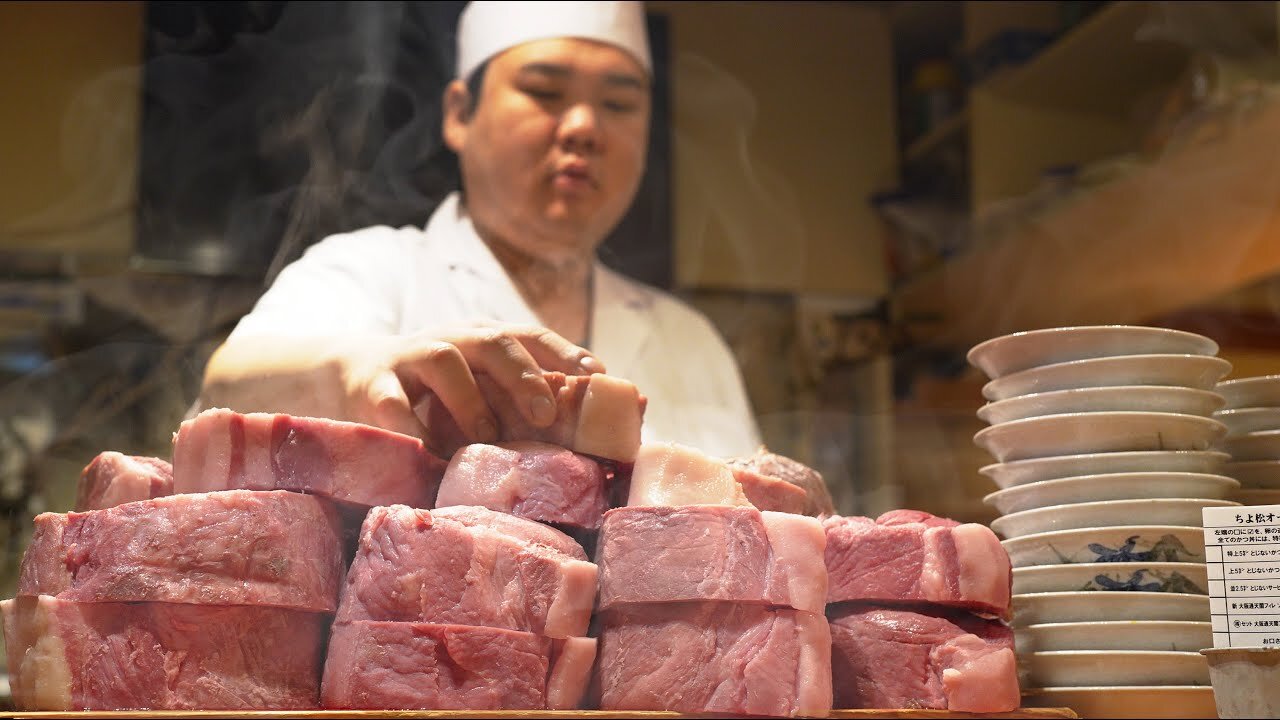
x=388, y=406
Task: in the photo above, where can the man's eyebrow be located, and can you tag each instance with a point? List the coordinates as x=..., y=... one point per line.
x=556, y=70
x=626, y=80
x=545, y=68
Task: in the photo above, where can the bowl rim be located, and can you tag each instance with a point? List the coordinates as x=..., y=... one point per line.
x=1051, y=395
x=1210, y=478
x=975, y=354
x=1097, y=504
x=989, y=386
x=991, y=471
x=1191, y=529
x=1095, y=566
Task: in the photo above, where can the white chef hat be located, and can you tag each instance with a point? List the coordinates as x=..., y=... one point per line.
x=487, y=27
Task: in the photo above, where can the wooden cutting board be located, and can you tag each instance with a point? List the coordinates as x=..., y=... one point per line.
x=1028, y=713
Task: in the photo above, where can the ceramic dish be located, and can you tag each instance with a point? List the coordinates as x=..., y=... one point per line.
x=1174, y=577
x=1257, y=391
x=1127, y=702
x=1254, y=474
x=1140, y=398
x=1174, y=635
x=1246, y=420
x=1123, y=543
x=1116, y=486
x=1106, y=668
x=1018, y=351
x=1011, y=474
x=1062, y=607
x=1079, y=433
x=1256, y=497
x=1105, y=513
x=1194, y=371
x=1262, y=445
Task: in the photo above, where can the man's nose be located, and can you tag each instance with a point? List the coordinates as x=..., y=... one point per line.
x=580, y=129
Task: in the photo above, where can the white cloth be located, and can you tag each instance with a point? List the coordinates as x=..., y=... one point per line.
x=384, y=280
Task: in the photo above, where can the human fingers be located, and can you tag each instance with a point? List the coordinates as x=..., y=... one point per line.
x=386, y=405
x=440, y=367
x=553, y=351
x=502, y=356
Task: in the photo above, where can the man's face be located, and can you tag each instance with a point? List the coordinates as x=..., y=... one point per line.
x=554, y=151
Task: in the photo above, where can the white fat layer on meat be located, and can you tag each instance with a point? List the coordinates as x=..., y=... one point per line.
x=570, y=611
x=813, y=674
x=933, y=580
x=667, y=474
x=567, y=681
x=42, y=678
x=608, y=425
x=976, y=545
x=799, y=544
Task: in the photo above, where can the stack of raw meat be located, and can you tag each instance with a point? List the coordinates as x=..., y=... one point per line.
x=916, y=603
x=708, y=605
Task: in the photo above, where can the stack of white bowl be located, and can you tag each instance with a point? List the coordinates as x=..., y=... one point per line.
x=1105, y=443
x=1252, y=417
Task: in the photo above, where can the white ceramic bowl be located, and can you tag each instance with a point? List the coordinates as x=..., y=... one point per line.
x=1116, y=486
x=1021, y=472
x=1018, y=351
x=1105, y=513
x=1123, y=543
x=1254, y=474
x=1103, y=668
x=1061, y=607
x=1177, y=577
x=1256, y=497
x=1142, y=701
x=1140, y=398
x=1261, y=445
x=1194, y=371
x=1257, y=391
x=1246, y=420
x=1078, y=433
x=1175, y=635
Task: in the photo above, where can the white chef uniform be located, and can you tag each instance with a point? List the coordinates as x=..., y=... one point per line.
x=384, y=280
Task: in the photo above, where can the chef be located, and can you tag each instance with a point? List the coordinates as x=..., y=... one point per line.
x=549, y=117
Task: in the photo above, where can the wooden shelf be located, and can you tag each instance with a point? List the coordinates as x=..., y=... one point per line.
x=1198, y=223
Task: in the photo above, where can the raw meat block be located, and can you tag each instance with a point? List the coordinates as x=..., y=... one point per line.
x=466, y=565
x=114, y=478
x=921, y=658
x=236, y=547
x=353, y=463
x=532, y=480
x=65, y=655
x=770, y=493
x=411, y=665
x=817, y=496
x=671, y=474
x=597, y=415
x=907, y=556
x=712, y=552
x=715, y=657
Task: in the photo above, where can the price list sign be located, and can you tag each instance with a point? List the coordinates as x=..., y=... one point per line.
x=1242, y=552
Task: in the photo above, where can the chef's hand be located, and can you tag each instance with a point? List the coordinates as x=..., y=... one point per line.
x=377, y=380
x=385, y=381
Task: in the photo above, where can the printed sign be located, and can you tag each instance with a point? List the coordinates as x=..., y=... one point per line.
x=1242, y=551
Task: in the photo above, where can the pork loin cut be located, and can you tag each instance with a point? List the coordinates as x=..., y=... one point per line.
x=410, y=665
x=712, y=552
x=531, y=480
x=770, y=493
x=921, y=658
x=236, y=547
x=715, y=657
x=114, y=478
x=66, y=655
x=224, y=450
x=817, y=495
x=467, y=565
x=598, y=415
x=910, y=557
x=672, y=474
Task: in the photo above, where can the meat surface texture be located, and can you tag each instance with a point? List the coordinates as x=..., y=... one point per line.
x=597, y=415
x=532, y=480
x=712, y=552
x=715, y=657
x=236, y=547
x=224, y=450
x=466, y=565
x=114, y=478
x=770, y=493
x=403, y=665
x=921, y=658
x=672, y=474
x=66, y=655
x=914, y=557
x=817, y=495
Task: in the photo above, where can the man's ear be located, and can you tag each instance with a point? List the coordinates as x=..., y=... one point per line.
x=458, y=107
